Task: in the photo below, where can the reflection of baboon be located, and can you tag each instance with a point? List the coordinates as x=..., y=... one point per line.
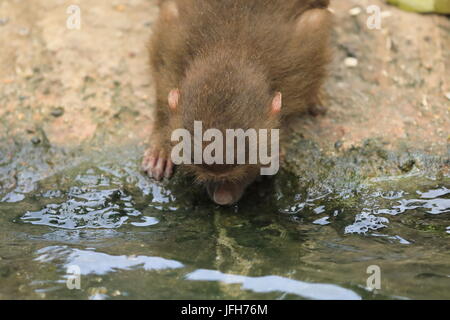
x=230, y=64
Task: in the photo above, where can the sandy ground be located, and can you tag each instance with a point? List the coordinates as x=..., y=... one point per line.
x=93, y=85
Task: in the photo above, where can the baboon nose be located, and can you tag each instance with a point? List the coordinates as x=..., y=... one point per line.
x=223, y=197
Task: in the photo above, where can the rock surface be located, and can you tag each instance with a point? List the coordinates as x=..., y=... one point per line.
x=99, y=75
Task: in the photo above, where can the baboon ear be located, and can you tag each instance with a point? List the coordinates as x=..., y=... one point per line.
x=313, y=21
x=276, y=103
x=169, y=10
x=174, y=98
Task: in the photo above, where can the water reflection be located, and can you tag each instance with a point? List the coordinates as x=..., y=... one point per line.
x=432, y=202
x=87, y=208
x=276, y=283
x=91, y=262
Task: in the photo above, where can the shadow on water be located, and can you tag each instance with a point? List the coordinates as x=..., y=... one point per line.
x=128, y=237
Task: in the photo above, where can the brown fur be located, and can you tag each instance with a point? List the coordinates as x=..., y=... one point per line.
x=229, y=58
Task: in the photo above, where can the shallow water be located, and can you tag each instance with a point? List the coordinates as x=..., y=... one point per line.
x=128, y=237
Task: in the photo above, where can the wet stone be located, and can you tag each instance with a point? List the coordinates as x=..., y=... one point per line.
x=407, y=164
x=57, y=112
x=35, y=140
x=5, y=271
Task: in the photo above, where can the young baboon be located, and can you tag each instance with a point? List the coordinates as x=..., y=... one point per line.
x=233, y=64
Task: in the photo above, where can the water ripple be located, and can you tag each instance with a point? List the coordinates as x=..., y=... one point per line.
x=86, y=208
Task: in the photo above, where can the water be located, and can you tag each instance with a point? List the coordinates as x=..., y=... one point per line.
x=131, y=238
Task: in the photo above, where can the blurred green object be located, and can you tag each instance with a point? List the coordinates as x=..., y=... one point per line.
x=438, y=6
